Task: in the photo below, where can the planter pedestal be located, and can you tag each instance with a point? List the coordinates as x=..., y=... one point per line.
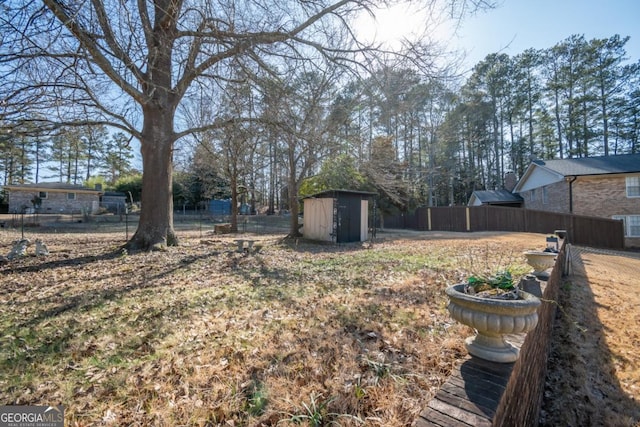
x=493, y=319
x=541, y=262
x=491, y=347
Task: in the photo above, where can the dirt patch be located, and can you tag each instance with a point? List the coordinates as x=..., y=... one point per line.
x=594, y=367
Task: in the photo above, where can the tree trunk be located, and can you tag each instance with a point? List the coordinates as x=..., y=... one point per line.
x=293, y=194
x=605, y=121
x=155, y=229
x=233, y=181
x=294, y=209
x=558, y=123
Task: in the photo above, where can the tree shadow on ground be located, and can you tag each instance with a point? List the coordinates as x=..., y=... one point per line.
x=53, y=326
x=91, y=298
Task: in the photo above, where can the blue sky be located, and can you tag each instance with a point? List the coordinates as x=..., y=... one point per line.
x=517, y=25
x=513, y=26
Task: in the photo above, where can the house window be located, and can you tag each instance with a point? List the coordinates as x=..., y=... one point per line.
x=631, y=224
x=533, y=195
x=42, y=194
x=71, y=196
x=633, y=186
x=545, y=196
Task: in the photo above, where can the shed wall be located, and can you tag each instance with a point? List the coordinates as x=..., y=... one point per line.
x=364, y=220
x=318, y=219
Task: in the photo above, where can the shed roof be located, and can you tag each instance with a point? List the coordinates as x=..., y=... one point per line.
x=337, y=192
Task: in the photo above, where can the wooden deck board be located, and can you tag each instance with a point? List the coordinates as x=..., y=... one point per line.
x=470, y=396
x=481, y=400
x=462, y=414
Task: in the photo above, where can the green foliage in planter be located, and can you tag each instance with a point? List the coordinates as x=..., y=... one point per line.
x=500, y=280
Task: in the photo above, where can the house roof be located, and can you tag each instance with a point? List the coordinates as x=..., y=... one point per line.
x=335, y=193
x=51, y=186
x=550, y=171
x=493, y=197
x=627, y=163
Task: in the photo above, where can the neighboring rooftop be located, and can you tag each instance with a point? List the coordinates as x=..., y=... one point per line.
x=496, y=197
x=51, y=186
x=626, y=163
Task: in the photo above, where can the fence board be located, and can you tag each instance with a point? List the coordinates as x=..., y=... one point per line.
x=597, y=232
x=582, y=230
x=452, y=218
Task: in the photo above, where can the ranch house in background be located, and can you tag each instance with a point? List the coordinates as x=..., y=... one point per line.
x=52, y=197
x=607, y=187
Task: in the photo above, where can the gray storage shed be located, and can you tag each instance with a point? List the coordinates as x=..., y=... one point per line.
x=339, y=216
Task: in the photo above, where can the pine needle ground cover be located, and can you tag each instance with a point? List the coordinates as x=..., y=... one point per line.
x=292, y=333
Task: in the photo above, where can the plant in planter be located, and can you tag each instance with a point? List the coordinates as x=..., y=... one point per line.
x=494, y=306
x=499, y=285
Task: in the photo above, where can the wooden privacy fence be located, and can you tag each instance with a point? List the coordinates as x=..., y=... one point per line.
x=582, y=230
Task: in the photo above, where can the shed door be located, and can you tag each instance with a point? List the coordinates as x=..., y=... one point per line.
x=348, y=229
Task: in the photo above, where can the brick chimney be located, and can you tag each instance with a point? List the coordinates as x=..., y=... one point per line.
x=510, y=181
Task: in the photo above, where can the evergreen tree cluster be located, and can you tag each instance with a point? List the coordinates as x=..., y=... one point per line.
x=71, y=155
x=416, y=140
x=420, y=140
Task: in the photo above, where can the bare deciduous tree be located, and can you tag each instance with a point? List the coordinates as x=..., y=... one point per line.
x=130, y=65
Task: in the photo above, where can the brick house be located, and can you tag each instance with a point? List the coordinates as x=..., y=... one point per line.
x=52, y=197
x=607, y=187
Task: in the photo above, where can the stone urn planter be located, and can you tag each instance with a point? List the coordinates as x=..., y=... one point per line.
x=492, y=319
x=541, y=261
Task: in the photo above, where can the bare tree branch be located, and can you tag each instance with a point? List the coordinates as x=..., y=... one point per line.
x=88, y=41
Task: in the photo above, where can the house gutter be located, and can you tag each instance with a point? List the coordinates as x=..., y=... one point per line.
x=571, y=181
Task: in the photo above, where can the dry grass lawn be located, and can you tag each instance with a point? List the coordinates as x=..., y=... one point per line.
x=201, y=335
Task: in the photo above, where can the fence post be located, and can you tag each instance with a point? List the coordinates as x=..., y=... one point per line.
x=429, y=219
x=468, y=219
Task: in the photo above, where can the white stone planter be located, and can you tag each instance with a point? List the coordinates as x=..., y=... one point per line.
x=492, y=319
x=541, y=262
